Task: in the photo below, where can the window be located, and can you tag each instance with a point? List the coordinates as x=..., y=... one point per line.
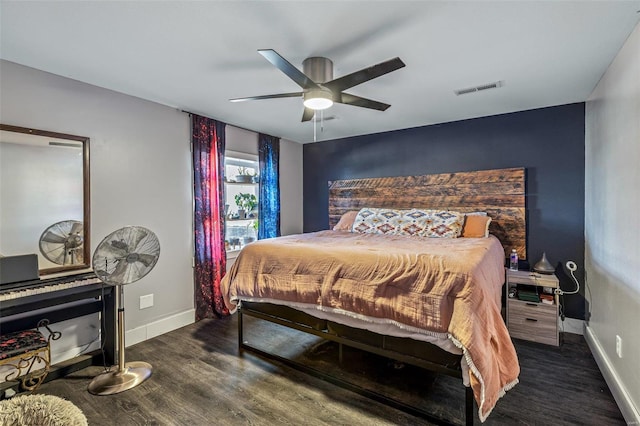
x=241, y=203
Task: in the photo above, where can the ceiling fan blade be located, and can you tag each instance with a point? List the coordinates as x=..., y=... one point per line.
x=292, y=72
x=307, y=114
x=359, y=77
x=354, y=100
x=279, y=95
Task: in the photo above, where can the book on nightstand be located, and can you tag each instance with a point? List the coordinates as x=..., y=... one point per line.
x=547, y=299
x=528, y=293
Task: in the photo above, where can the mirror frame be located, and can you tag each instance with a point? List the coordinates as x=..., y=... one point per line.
x=86, y=194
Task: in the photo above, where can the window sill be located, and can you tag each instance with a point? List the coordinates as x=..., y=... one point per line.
x=232, y=254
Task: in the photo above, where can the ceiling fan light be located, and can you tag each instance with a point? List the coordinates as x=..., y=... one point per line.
x=318, y=99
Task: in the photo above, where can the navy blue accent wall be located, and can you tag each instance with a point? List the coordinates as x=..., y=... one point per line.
x=548, y=142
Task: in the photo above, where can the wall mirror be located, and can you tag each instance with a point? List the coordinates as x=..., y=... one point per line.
x=44, y=198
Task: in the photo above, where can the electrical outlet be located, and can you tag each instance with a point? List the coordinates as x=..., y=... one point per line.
x=619, y=346
x=146, y=301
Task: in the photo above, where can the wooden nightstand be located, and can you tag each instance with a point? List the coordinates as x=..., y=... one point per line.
x=528, y=320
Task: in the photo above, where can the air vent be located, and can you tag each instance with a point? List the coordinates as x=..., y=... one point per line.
x=482, y=87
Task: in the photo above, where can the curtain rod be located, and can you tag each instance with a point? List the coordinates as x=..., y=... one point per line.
x=229, y=124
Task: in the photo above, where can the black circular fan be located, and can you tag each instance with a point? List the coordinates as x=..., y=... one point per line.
x=62, y=242
x=123, y=257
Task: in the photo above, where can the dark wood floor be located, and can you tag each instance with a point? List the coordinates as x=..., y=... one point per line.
x=199, y=379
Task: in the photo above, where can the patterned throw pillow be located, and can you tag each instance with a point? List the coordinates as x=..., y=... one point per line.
x=422, y=223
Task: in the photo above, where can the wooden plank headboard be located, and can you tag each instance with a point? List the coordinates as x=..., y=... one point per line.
x=501, y=193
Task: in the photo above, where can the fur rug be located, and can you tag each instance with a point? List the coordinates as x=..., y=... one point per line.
x=41, y=410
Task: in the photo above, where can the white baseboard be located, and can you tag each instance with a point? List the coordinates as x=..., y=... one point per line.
x=571, y=325
x=156, y=328
x=74, y=352
x=625, y=403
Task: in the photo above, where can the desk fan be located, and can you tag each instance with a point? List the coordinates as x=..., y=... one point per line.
x=61, y=243
x=123, y=257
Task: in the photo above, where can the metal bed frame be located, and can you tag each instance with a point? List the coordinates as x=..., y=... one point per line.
x=253, y=310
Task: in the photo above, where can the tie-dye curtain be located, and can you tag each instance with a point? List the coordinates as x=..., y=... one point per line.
x=208, y=138
x=269, y=199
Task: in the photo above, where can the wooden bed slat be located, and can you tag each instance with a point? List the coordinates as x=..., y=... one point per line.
x=486, y=188
x=514, y=175
x=500, y=192
x=417, y=200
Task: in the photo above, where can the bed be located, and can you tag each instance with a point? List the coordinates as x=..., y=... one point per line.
x=430, y=302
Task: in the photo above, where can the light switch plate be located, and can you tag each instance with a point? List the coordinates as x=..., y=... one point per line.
x=146, y=301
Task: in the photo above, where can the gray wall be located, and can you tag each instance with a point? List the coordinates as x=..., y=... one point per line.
x=140, y=175
x=612, y=233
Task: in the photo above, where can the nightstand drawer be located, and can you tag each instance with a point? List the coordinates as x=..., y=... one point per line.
x=534, y=333
x=532, y=278
x=535, y=322
x=520, y=307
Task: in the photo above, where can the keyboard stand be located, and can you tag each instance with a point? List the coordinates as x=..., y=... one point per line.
x=86, y=300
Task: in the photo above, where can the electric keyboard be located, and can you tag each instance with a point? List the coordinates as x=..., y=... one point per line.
x=28, y=288
x=23, y=304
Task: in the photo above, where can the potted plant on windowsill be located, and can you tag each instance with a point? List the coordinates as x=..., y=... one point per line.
x=246, y=203
x=245, y=175
x=251, y=235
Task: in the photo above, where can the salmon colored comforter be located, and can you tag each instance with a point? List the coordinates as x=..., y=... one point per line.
x=447, y=287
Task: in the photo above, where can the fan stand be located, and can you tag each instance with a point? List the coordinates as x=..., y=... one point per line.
x=127, y=375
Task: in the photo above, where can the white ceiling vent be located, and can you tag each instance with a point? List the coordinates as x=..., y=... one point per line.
x=480, y=88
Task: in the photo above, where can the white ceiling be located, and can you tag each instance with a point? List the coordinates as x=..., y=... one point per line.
x=197, y=55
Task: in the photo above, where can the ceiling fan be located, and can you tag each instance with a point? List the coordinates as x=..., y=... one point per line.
x=320, y=90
